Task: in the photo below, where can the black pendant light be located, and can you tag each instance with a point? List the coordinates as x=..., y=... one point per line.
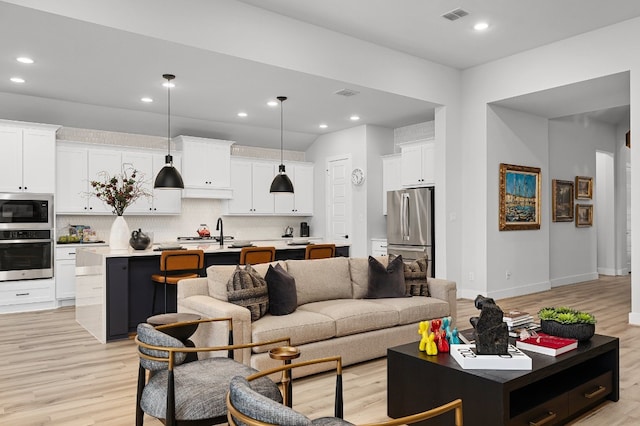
x=281, y=183
x=168, y=177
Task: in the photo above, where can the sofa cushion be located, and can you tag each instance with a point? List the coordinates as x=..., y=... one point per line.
x=359, y=269
x=386, y=282
x=413, y=309
x=282, y=291
x=355, y=315
x=218, y=276
x=248, y=289
x=415, y=276
x=321, y=279
x=300, y=326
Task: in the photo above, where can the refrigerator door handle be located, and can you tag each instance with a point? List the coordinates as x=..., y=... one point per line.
x=420, y=249
x=404, y=216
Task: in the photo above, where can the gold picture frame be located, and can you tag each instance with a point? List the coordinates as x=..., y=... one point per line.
x=584, y=188
x=519, y=188
x=584, y=215
x=562, y=200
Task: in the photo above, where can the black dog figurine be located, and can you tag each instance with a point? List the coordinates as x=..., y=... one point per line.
x=492, y=333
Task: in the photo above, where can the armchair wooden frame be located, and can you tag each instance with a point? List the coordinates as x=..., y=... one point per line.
x=234, y=414
x=170, y=360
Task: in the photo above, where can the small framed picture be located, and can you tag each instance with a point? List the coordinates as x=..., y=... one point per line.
x=584, y=215
x=562, y=200
x=584, y=188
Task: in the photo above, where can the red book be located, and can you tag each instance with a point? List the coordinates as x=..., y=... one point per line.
x=547, y=344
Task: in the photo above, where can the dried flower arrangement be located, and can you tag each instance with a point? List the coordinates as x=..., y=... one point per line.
x=121, y=190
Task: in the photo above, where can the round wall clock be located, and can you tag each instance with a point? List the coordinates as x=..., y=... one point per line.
x=357, y=176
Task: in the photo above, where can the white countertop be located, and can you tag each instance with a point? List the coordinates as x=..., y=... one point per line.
x=208, y=247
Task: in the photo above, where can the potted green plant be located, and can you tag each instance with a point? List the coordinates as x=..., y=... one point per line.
x=567, y=322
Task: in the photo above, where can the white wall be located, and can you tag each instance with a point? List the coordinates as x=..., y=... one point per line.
x=602, y=52
x=572, y=153
x=604, y=213
x=350, y=142
x=380, y=141
x=521, y=139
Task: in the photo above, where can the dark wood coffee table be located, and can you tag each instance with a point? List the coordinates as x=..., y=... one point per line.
x=553, y=391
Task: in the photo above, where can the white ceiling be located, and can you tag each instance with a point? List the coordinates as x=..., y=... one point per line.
x=92, y=76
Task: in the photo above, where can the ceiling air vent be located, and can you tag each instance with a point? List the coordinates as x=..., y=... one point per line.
x=455, y=14
x=347, y=92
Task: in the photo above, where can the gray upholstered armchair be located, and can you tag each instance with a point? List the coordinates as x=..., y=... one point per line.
x=245, y=406
x=179, y=392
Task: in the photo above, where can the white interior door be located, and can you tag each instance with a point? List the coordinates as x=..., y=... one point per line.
x=339, y=199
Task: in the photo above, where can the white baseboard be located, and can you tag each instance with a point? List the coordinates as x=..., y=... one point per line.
x=634, y=318
x=607, y=271
x=572, y=279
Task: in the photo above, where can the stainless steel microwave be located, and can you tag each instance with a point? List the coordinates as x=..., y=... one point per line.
x=26, y=211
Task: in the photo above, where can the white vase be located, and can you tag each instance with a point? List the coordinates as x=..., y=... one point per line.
x=119, y=235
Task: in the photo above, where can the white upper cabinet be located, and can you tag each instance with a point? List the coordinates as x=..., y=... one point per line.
x=299, y=203
x=391, y=177
x=78, y=164
x=250, y=181
x=27, y=163
x=418, y=164
x=206, y=167
x=165, y=201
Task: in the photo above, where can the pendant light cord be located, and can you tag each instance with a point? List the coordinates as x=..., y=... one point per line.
x=169, y=117
x=281, y=133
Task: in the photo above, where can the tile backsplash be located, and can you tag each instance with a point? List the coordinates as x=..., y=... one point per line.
x=194, y=212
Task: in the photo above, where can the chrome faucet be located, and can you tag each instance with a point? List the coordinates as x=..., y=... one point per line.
x=219, y=228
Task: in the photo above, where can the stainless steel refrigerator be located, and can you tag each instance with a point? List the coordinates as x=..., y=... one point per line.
x=410, y=225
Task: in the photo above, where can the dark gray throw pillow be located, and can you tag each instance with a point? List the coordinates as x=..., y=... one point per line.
x=386, y=282
x=283, y=298
x=247, y=288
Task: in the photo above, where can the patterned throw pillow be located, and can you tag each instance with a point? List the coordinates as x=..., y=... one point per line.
x=248, y=289
x=415, y=276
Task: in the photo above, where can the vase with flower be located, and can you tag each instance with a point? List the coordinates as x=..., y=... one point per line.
x=119, y=192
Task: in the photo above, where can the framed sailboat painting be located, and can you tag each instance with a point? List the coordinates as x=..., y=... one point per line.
x=519, y=197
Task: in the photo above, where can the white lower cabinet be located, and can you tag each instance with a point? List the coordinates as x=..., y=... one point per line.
x=27, y=295
x=378, y=247
x=65, y=272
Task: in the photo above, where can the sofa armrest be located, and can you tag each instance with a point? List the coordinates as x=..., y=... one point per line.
x=213, y=334
x=445, y=290
x=192, y=287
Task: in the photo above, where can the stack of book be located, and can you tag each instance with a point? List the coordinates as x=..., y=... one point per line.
x=518, y=321
x=467, y=357
x=547, y=344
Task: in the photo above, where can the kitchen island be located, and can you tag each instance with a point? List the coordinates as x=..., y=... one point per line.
x=114, y=288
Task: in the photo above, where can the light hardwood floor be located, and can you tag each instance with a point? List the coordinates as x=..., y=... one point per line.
x=54, y=373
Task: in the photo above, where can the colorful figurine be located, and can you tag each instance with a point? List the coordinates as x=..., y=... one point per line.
x=427, y=343
x=455, y=339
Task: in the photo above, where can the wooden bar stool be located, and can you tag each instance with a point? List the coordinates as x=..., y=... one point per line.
x=319, y=251
x=254, y=255
x=176, y=265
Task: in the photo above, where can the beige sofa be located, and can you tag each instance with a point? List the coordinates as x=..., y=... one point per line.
x=332, y=317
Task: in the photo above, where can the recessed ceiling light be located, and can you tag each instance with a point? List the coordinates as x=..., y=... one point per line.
x=354, y=118
x=24, y=60
x=147, y=100
x=272, y=103
x=169, y=84
x=17, y=79
x=242, y=114
x=323, y=126
x=481, y=26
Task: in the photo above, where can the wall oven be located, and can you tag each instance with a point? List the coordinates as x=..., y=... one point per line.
x=26, y=240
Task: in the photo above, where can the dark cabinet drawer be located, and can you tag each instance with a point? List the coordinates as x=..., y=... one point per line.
x=547, y=413
x=590, y=392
